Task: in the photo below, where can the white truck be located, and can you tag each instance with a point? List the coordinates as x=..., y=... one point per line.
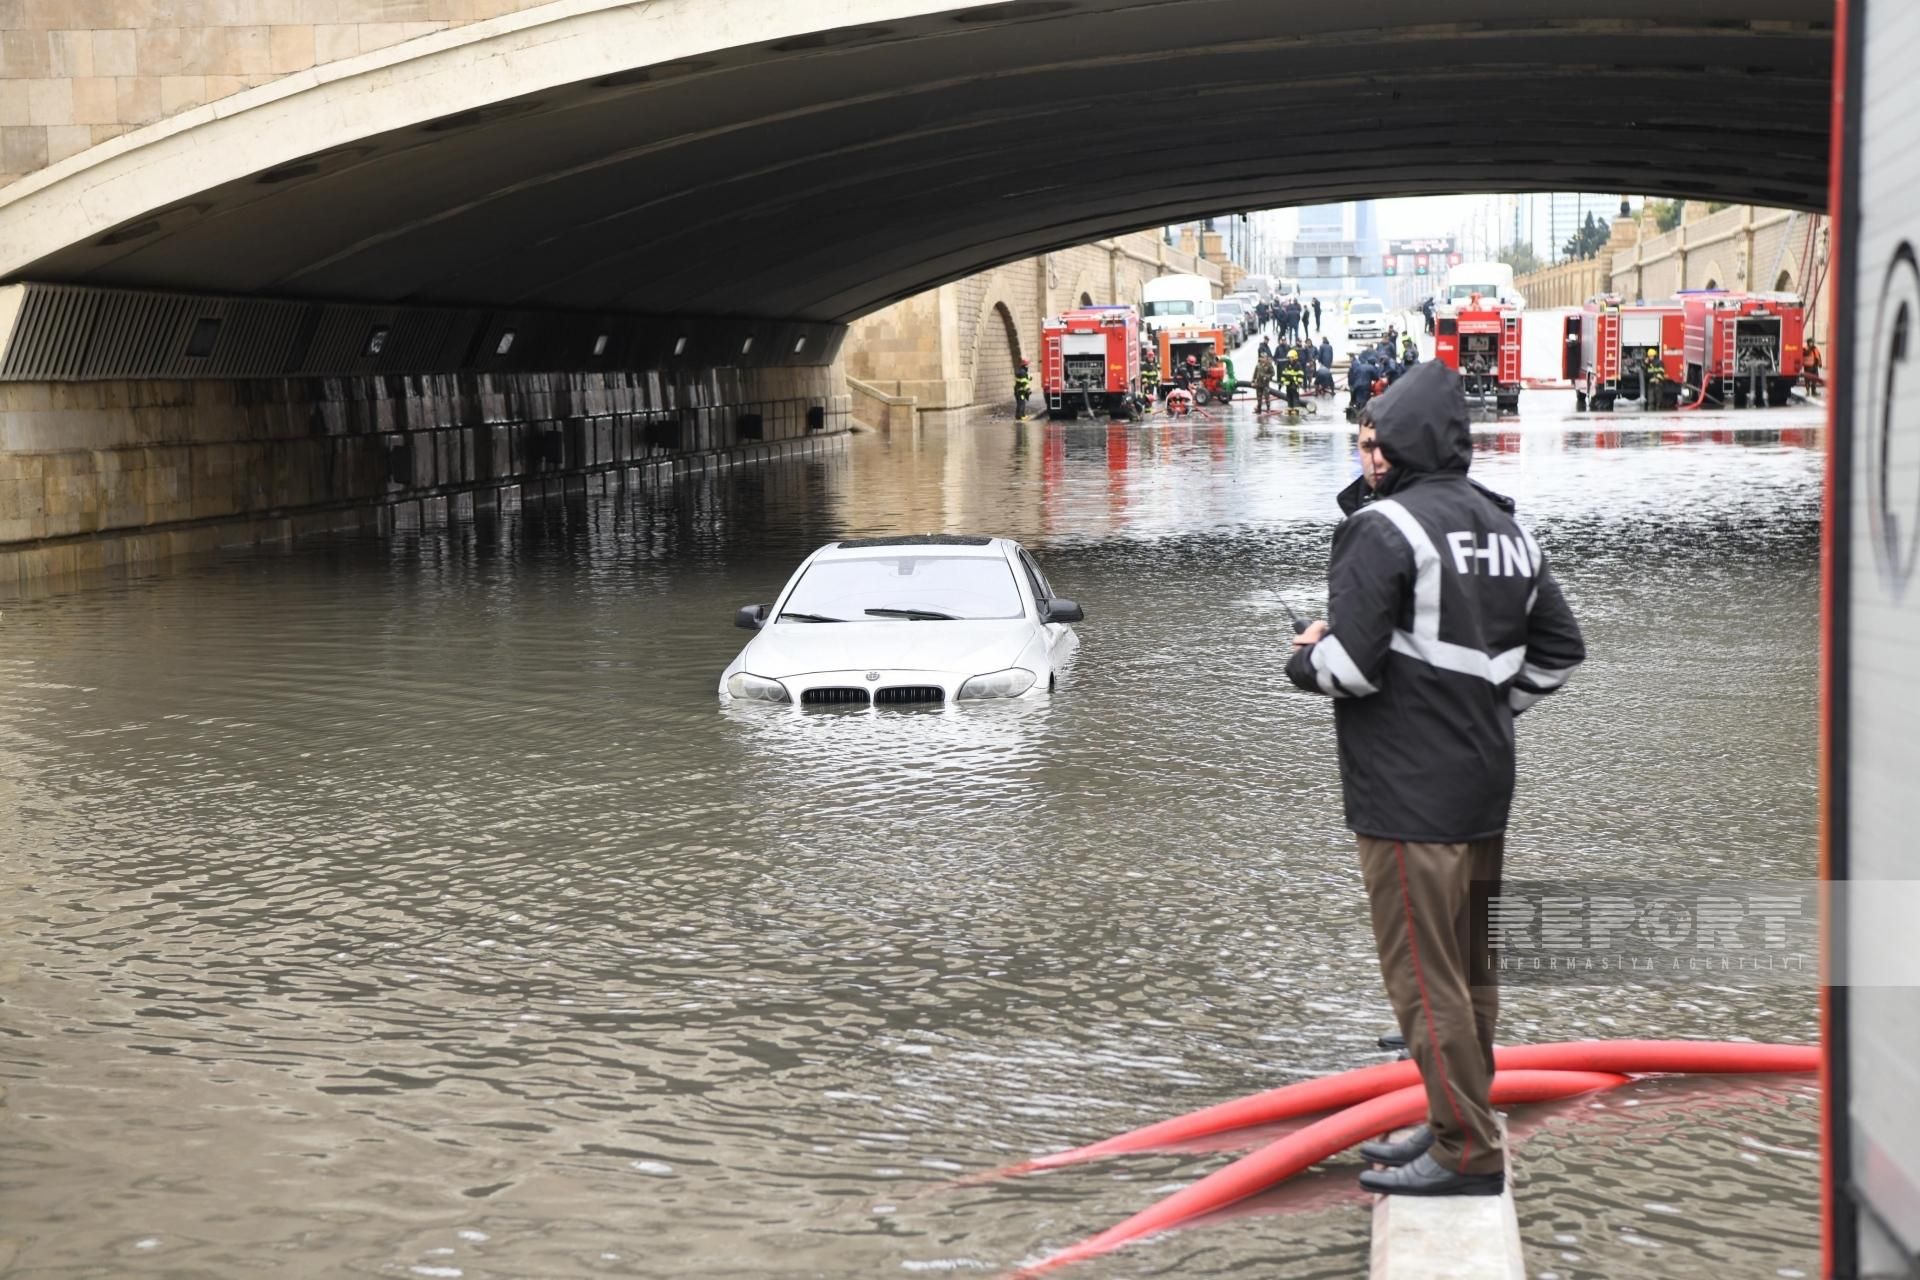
x=1176, y=300
x=1493, y=281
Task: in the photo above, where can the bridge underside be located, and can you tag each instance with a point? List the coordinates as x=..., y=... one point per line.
x=820, y=176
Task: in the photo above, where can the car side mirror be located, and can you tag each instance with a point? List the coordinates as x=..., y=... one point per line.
x=751, y=617
x=1062, y=610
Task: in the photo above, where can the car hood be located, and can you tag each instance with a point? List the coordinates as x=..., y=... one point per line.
x=965, y=647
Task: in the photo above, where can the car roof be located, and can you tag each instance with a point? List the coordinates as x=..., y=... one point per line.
x=964, y=544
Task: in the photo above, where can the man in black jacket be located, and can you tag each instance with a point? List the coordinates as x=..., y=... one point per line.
x=1445, y=625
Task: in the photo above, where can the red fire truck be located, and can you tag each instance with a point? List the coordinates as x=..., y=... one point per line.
x=1480, y=340
x=1618, y=352
x=1092, y=363
x=1743, y=349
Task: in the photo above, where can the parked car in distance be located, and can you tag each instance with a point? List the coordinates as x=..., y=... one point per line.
x=1366, y=320
x=924, y=619
x=1231, y=314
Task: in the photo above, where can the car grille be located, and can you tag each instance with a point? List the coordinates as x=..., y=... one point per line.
x=834, y=697
x=905, y=693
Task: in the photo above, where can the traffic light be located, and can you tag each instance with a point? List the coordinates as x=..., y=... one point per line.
x=1453, y=259
x=1391, y=265
x=1420, y=264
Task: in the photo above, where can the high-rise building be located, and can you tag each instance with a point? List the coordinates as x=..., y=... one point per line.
x=1337, y=248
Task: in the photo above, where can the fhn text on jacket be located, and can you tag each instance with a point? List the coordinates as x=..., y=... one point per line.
x=1445, y=623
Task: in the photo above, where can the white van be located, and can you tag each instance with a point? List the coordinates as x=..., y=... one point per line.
x=1168, y=300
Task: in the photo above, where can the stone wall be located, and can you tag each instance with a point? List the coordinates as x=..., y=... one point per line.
x=74, y=73
x=94, y=474
x=955, y=346
x=1740, y=248
x=1568, y=285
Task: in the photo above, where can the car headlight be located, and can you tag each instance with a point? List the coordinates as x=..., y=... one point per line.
x=1010, y=683
x=756, y=689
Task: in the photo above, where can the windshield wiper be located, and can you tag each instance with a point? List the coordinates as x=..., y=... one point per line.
x=913, y=615
x=809, y=617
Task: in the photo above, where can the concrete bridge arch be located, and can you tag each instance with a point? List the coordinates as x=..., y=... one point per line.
x=814, y=162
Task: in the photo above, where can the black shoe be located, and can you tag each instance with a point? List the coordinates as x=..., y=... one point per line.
x=1405, y=1151
x=1425, y=1177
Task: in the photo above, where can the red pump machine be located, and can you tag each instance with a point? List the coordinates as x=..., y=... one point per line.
x=1092, y=363
x=1480, y=341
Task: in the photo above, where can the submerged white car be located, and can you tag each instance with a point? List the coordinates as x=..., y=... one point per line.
x=895, y=621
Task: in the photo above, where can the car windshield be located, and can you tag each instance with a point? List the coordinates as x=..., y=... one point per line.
x=1367, y=308
x=1172, y=307
x=955, y=587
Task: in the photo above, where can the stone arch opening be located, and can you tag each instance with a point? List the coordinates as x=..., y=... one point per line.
x=1086, y=299
x=1783, y=283
x=996, y=354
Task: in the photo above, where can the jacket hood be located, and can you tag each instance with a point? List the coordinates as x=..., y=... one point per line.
x=1421, y=423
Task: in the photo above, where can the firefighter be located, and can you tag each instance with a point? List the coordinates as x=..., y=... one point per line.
x=1810, y=367
x=1322, y=377
x=1188, y=374
x=1292, y=375
x=1263, y=372
x=1150, y=380
x=1360, y=374
x=1022, y=388
x=1409, y=352
x=1655, y=373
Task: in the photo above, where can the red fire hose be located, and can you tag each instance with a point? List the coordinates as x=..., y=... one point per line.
x=1289, y=1155
x=1636, y=1057
x=1380, y=1098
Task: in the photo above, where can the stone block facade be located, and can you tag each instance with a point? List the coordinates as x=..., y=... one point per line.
x=1740, y=247
x=94, y=474
x=956, y=346
x=74, y=73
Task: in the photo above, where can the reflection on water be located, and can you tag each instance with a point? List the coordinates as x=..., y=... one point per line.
x=411, y=907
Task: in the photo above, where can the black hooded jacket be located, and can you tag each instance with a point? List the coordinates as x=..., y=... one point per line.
x=1445, y=625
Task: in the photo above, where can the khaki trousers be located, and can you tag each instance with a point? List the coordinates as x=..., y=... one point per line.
x=1421, y=900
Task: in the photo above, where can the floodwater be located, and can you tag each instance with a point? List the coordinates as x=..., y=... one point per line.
x=411, y=907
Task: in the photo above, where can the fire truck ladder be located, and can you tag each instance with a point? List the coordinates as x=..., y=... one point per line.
x=1509, y=354
x=1726, y=337
x=1055, y=366
x=1607, y=348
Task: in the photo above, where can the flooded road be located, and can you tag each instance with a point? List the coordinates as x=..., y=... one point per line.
x=409, y=906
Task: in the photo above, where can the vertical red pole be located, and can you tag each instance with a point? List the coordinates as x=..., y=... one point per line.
x=1832, y=1109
